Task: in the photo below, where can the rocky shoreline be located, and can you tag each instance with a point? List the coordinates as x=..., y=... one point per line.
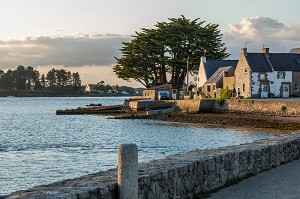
x=262, y=122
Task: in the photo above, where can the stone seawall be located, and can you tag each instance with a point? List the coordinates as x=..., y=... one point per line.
x=180, y=176
x=260, y=106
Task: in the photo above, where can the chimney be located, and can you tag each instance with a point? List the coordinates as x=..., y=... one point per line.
x=265, y=51
x=244, y=51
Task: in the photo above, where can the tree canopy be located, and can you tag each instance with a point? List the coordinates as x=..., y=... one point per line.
x=26, y=78
x=161, y=53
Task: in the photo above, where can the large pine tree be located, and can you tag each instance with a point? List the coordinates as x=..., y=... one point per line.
x=159, y=55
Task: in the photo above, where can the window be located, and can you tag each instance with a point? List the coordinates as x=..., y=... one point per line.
x=280, y=75
x=262, y=76
x=214, y=87
x=296, y=87
x=244, y=87
x=208, y=88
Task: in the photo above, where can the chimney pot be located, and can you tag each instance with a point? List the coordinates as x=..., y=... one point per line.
x=244, y=51
x=266, y=51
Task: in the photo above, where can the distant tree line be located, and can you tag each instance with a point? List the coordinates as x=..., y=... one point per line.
x=27, y=78
x=101, y=86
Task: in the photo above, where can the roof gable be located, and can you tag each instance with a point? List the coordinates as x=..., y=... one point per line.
x=211, y=66
x=217, y=76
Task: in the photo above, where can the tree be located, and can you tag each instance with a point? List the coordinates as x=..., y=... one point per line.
x=76, y=81
x=51, y=78
x=43, y=81
x=20, y=77
x=164, y=51
x=2, y=74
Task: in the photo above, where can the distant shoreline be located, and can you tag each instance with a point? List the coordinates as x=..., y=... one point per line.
x=53, y=94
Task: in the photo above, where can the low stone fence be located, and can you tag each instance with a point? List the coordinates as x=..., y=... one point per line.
x=260, y=106
x=180, y=176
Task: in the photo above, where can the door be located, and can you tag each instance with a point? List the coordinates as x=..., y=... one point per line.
x=264, y=91
x=285, y=90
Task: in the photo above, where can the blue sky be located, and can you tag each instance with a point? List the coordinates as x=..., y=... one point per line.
x=85, y=35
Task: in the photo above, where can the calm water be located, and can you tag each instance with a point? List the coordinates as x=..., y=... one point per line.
x=39, y=147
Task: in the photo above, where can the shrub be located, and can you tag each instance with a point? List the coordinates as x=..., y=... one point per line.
x=221, y=102
x=225, y=94
x=283, y=108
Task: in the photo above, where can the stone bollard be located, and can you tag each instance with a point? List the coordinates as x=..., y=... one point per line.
x=128, y=171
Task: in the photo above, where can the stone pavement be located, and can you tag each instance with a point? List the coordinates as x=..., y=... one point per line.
x=282, y=182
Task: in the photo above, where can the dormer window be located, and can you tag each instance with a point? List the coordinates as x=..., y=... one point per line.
x=280, y=75
x=262, y=76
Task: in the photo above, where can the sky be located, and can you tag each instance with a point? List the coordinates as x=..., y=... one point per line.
x=85, y=35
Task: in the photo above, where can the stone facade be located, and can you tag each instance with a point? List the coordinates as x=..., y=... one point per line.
x=295, y=88
x=228, y=82
x=243, y=75
x=179, y=176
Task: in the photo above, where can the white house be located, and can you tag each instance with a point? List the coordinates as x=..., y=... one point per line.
x=265, y=74
x=208, y=67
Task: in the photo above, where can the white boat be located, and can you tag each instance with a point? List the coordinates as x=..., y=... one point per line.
x=160, y=111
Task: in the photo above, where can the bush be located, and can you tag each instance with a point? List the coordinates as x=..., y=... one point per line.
x=225, y=94
x=221, y=102
x=283, y=108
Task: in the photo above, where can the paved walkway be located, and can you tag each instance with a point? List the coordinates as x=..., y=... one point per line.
x=279, y=183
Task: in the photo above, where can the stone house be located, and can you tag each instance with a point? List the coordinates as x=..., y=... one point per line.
x=223, y=78
x=155, y=92
x=208, y=67
x=295, y=51
x=265, y=74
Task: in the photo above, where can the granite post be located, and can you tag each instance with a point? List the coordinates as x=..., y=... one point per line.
x=128, y=171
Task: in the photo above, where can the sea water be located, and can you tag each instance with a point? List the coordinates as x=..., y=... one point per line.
x=39, y=147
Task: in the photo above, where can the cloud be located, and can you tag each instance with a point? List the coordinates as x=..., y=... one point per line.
x=259, y=31
x=92, y=55
x=75, y=50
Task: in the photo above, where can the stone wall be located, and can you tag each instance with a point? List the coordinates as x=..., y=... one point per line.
x=259, y=106
x=180, y=176
x=142, y=105
x=190, y=106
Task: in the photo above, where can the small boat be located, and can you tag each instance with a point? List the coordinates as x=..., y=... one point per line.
x=139, y=98
x=160, y=111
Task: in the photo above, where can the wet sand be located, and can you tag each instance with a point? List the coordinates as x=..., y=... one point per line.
x=262, y=122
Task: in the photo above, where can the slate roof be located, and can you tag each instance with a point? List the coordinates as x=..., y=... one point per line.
x=280, y=62
x=217, y=76
x=258, y=62
x=167, y=86
x=212, y=66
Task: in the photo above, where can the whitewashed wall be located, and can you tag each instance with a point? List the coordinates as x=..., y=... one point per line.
x=275, y=87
